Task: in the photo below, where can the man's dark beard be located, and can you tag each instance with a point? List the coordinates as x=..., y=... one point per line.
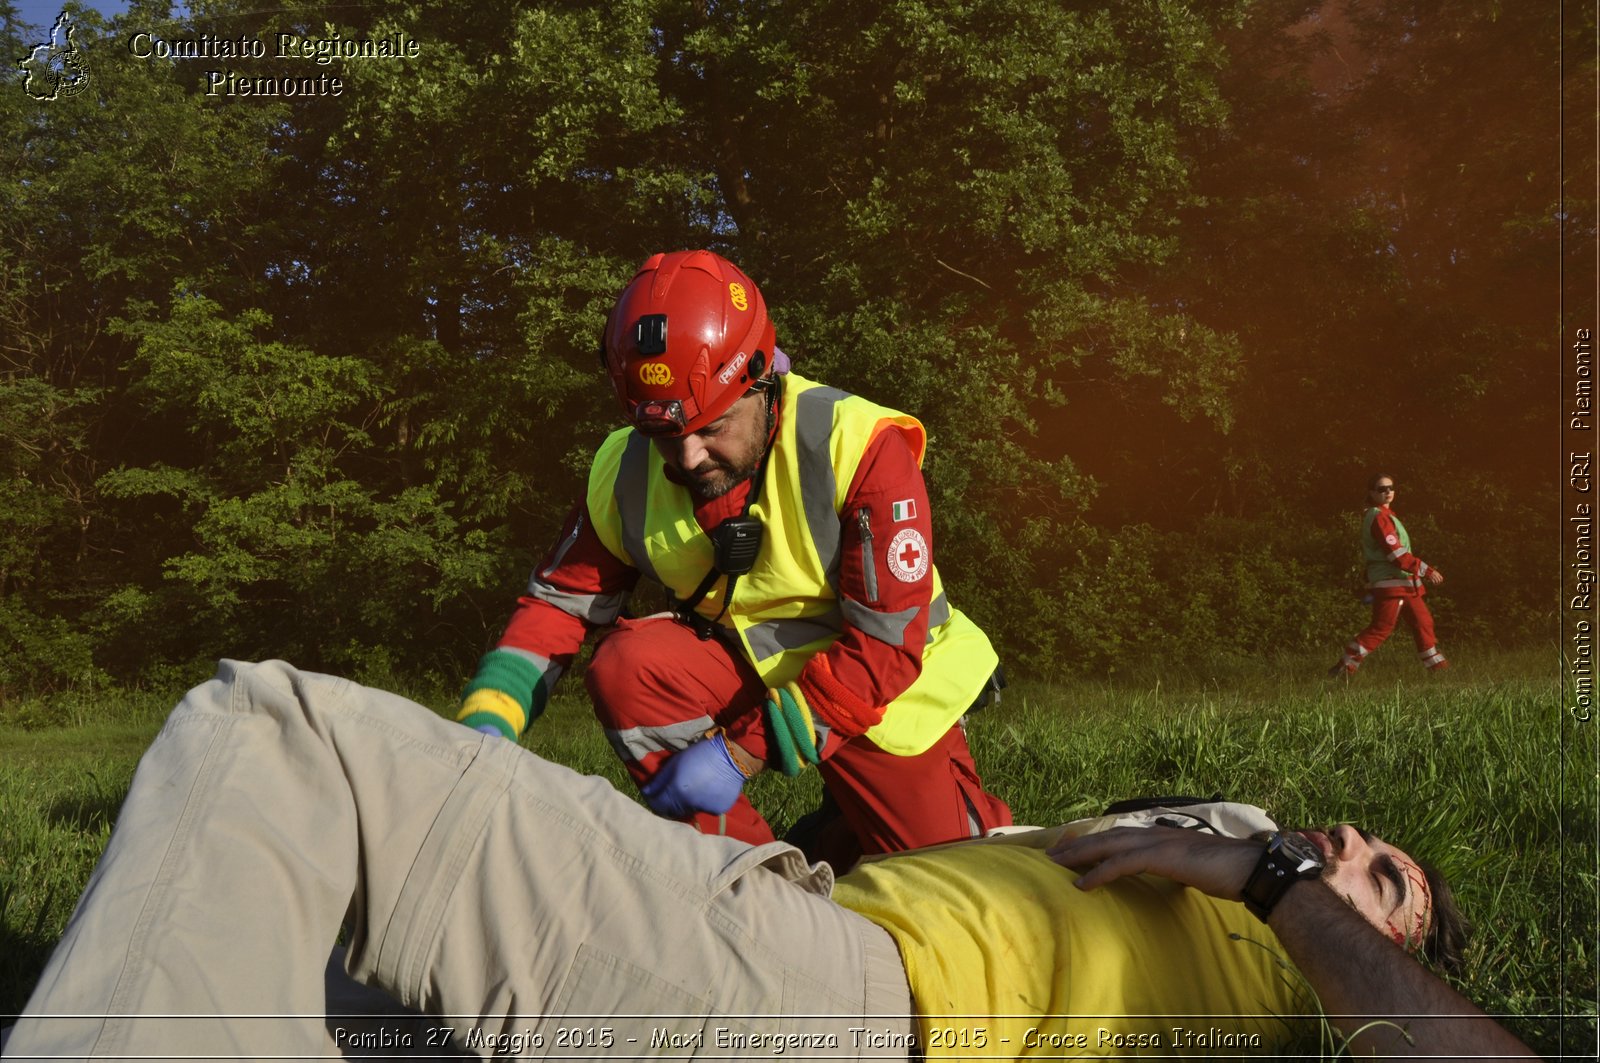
x=732, y=478
x=737, y=474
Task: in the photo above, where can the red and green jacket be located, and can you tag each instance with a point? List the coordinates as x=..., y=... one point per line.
x=1393, y=571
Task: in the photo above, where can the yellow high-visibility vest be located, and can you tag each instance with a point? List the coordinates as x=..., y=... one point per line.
x=787, y=608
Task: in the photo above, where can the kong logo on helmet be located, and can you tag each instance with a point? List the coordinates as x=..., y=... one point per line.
x=677, y=380
x=655, y=374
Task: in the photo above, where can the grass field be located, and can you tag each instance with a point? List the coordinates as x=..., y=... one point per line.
x=1478, y=769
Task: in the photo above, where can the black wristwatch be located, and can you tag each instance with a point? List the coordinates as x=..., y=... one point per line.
x=1289, y=858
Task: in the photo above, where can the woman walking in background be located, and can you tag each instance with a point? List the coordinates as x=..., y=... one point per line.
x=1395, y=578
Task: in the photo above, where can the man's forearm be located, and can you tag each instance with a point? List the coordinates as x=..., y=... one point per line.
x=1367, y=983
x=1360, y=977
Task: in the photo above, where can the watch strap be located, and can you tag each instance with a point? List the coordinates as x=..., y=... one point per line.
x=1278, y=868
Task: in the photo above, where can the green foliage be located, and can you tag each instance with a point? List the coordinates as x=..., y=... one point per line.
x=40, y=425
x=278, y=523
x=316, y=378
x=46, y=653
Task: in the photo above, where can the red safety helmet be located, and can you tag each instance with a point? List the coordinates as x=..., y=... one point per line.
x=689, y=335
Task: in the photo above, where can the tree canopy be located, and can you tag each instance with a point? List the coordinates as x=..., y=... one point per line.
x=314, y=376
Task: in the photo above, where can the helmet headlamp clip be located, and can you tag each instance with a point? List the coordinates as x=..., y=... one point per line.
x=650, y=335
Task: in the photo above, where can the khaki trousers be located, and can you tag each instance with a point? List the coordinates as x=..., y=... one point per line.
x=531, y=910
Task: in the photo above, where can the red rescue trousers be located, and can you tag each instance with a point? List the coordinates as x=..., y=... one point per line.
x=657, y=687
x=1385, y=612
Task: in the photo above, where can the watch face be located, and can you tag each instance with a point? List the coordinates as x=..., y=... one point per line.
x=1301, y=851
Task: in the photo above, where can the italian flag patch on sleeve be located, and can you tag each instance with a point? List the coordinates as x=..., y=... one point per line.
x=906, y=510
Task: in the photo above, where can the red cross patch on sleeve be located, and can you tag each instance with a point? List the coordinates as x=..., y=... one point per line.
x=908, y=555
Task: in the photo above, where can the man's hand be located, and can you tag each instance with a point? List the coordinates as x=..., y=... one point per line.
x=1434, y=577
x=698, y=778
x=1208, y=862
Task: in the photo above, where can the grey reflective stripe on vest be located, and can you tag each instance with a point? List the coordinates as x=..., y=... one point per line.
x=891, y=627
x=888, y=628
x=636, y=743
x=631, y=491
x=593, y=608
x=813, y=428
x=772, y=637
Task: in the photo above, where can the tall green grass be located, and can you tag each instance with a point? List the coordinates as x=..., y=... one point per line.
x=1478, y=770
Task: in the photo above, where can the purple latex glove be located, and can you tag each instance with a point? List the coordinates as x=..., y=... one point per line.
x=697, y=778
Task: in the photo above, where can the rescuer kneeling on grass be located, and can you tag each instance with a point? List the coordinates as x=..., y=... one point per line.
x=789, y=521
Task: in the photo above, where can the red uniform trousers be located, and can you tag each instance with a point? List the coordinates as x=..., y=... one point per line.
x=1385, y=613
x=657, y=687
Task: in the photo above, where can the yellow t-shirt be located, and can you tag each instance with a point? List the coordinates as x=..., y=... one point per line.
x=1006, y=957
